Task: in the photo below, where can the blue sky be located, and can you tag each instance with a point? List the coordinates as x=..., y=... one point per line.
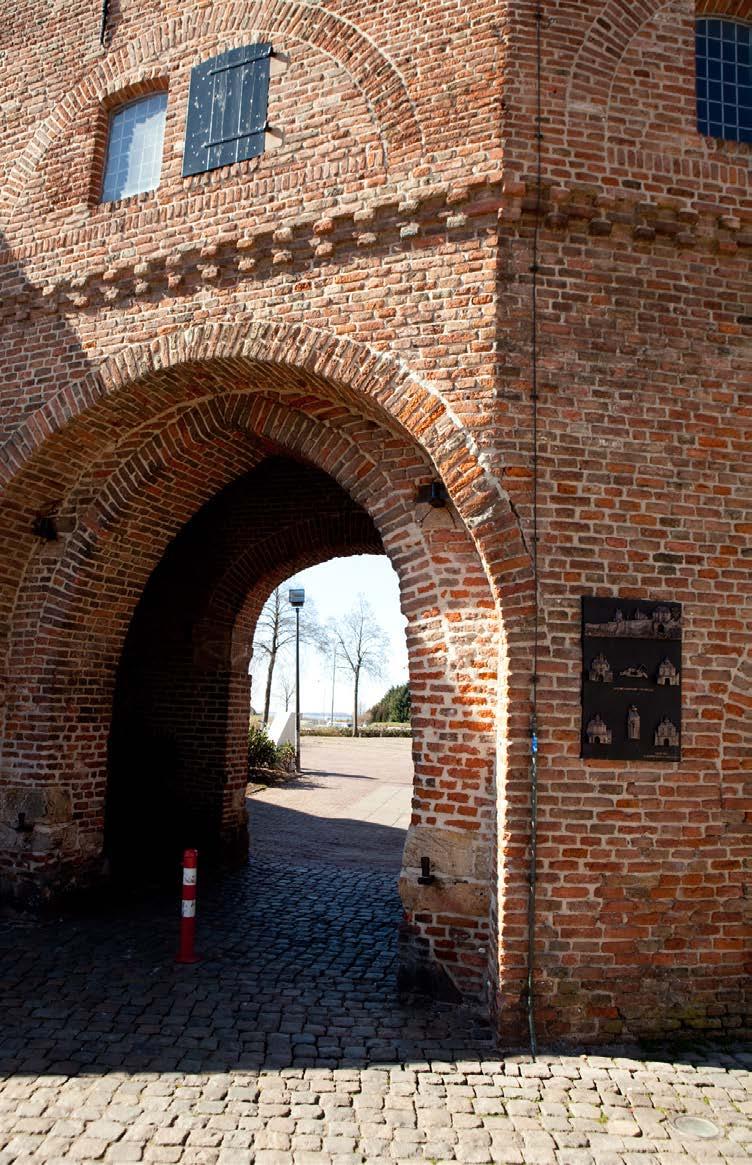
x=334, y=586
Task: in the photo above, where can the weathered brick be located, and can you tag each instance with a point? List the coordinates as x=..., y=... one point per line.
x=346, y=318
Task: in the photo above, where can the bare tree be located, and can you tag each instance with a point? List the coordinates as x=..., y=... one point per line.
x=275, y=633
x=362, y=646
x=286, y=684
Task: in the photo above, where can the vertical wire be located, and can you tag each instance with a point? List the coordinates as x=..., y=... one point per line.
x=533, y=858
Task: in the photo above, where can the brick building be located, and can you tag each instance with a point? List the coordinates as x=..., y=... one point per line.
x=412, y=287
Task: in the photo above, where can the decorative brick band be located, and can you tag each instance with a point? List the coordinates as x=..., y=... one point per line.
x=669, y=219
x=387, y=222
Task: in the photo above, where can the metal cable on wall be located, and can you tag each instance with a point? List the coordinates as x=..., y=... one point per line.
x=533, y=852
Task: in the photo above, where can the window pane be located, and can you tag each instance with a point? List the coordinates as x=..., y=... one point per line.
x=134, y=148
x=723, y=75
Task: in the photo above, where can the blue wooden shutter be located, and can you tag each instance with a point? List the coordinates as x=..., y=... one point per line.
x=227, y=109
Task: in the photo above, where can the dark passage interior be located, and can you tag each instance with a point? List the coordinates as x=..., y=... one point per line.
x=177, y=750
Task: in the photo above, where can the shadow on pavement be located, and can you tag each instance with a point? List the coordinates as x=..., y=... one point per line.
x=277, y=831
x=326, y=773
x=299, y=970
x=306, y=779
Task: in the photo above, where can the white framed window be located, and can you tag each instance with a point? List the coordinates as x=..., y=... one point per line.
x=134, y=147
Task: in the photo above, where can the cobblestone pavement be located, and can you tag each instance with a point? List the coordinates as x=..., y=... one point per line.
x=287, y=1044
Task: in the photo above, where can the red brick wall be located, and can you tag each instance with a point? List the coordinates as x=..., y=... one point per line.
x=645, y=398
x=361, y=299
x=193, y=669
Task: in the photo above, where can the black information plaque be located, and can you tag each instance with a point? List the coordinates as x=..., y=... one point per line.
x=631, y=679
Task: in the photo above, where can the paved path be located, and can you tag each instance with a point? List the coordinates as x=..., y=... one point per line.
x=386, y=759
x=350, y=807
x=288, y=1046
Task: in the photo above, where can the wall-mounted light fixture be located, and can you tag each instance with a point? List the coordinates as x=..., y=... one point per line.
x=434, y=495
x=438, y=497
x=45, y=526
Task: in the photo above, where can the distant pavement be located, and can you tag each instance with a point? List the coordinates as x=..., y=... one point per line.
x=350, y=807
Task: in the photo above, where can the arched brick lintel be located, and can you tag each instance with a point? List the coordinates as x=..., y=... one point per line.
x=127, y=496
x=736, y=738
x=731, y=9
x=126, y=493
x=606, y=42
x=377, y=77
x=386, y=388
x=245, y=579
x=595, y=93
x=610, y=35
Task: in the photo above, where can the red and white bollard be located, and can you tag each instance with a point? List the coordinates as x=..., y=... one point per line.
x=187, y=952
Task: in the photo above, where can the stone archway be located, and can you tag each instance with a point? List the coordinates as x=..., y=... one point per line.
x=161, y=434
x=180, y=707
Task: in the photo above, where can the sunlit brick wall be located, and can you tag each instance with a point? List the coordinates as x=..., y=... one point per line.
x=361, y=298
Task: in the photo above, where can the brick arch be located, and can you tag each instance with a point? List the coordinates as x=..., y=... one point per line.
x=281, y=567
x=604, y=45
x=653, y=134
x=731, y=9
x=599, y=87
x=670, y=117
x=142, y=60
x=459, y=628
x=139, y=384
x=145, y=485
x=246, y=376
x=90, y=592
x=143, y=479
x=596, y=70
x=55, y=445
x=736, y=739
x=281, y=556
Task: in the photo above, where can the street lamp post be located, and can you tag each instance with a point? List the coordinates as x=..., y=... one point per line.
x=296, y=598
x=334, y=677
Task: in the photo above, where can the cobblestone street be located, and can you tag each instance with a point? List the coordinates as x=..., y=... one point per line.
x=287, y=1044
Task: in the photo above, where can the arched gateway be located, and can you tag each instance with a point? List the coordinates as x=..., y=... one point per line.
x=188, y=477
x=493, y=246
